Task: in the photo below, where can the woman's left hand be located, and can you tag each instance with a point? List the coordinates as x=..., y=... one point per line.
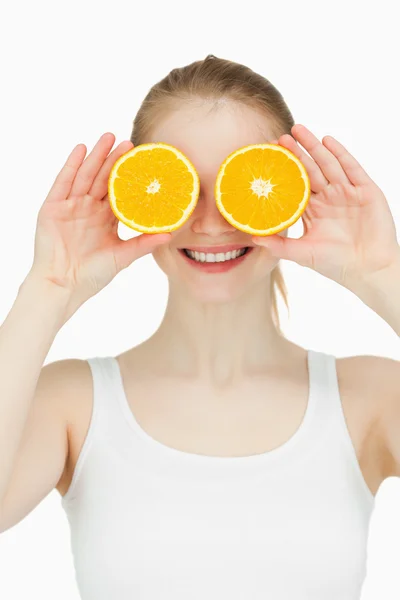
x=349, y=231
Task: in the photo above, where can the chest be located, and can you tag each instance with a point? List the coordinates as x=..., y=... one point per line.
x=196, y=419
x=178, y=538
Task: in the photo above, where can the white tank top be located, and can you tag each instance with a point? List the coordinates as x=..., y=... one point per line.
x=150, y=522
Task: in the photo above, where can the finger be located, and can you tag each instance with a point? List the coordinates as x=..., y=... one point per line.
x=62, y=184
x=126, y=251
x=93, y=163
x=327, y=162
x=100, y=185
x=297, y=250
x=317, y=178
x=350, y=165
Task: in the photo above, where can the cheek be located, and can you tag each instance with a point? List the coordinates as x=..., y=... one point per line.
x=163, y=257
x=164, y=254
x=159, y=254
x=266, y=262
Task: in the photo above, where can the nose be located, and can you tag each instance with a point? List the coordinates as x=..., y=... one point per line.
x=207, y=219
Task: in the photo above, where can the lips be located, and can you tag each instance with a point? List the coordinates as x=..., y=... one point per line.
x=187, y=253
x=215, y=266
x=216, y=249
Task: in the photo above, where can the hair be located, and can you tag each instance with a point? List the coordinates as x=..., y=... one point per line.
x=215, y=79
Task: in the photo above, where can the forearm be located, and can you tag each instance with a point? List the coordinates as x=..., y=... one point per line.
x=26, y=336
x=382, y=294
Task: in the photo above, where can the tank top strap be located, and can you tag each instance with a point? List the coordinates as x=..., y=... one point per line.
x=328, y=408
x=330, y=422
x=323, y=384
x=101, y=425
x=104, y=392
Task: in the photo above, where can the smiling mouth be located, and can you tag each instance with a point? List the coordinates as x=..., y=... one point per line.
x=211, y=258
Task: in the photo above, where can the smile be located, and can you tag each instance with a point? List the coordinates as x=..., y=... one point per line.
x=220, y=262
x=211, y=257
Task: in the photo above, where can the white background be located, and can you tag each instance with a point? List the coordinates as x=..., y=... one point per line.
x=72, y=71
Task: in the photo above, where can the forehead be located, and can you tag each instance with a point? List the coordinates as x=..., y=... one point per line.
x=207, y=132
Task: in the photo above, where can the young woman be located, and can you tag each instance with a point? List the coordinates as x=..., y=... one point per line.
x=216, y=459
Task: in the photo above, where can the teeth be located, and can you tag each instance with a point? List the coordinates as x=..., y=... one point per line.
x=219, y=257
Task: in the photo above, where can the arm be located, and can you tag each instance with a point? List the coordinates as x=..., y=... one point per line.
x=388, y=411
x=381, y=292
x=26, y=336
x=77, y=252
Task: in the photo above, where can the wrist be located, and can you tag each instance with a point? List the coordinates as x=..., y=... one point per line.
x=46, y=296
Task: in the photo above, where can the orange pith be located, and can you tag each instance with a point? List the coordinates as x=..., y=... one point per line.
x=153, y=188
x=262, y=189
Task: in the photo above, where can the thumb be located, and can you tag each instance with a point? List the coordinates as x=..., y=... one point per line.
x=127, y=251
x=296, y=250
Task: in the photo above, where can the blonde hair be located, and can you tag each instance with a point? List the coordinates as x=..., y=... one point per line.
x=215, y=78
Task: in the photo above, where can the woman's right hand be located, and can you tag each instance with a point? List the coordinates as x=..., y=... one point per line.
x=77, y=246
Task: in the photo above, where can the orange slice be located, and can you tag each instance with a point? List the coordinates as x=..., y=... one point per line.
x=153, y=188
x=262, y=189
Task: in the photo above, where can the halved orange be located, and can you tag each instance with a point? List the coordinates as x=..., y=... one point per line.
x=153, y=188
x=262, y=189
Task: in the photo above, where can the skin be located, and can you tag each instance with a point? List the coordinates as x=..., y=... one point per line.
x=215, y=378
x=221, y=323
x=216, y=346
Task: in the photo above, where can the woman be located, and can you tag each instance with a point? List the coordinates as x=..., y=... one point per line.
x=217, y=459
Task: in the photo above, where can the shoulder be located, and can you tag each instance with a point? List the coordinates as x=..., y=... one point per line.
x=371, y=387
x=67, y=376
x=366, y=370
x=67, y=384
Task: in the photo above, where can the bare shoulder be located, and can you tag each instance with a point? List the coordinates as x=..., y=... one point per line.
x=367, y=370
x=41, y=459
x=71, y=379
x=370, y=392
x=65, y=384
x=77, y=401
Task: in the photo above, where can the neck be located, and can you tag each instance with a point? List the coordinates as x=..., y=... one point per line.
x=219, y=342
